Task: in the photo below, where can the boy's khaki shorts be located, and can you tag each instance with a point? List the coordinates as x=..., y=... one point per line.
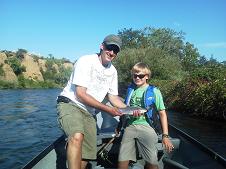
x=142, y=136
x=73, y=119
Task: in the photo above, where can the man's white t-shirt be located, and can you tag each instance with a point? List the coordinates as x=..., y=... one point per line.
x=91, y=74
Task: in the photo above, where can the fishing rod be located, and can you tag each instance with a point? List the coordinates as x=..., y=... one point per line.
x=99, y=153
x=103, y=152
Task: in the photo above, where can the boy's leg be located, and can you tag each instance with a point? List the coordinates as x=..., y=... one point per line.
x=84, y=164
x=150, y=166
x=123, y=164
x=146, y=144
x=127, y=149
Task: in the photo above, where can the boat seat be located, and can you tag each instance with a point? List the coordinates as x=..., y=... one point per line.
x=169, y=164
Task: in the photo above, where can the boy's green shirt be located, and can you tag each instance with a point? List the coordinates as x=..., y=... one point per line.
x=137, y=100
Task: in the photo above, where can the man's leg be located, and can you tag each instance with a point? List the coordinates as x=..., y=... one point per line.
x=123, y=164
x=74, y=151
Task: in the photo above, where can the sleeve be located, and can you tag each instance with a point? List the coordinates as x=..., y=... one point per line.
x=81, y=73
x=159, y=100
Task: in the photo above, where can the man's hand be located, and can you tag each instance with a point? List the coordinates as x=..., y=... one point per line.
x=115, y=111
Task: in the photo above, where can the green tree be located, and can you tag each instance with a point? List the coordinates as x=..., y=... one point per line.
x=15, y=64
x=20, y=53
x=62, y=77
x=162, y=66
x=213, y=63
x=2, y=73
x=168, y=40
x=202, y=61
x=191, y=57
x=133, y=38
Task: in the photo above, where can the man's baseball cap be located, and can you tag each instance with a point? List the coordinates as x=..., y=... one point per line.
x=113, y=40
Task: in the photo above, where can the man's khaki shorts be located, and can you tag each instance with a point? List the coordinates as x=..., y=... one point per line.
x=73, y=119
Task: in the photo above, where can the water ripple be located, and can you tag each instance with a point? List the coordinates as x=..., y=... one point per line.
x=28, y=123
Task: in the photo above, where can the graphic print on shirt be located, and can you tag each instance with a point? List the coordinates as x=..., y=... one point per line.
x=100, y=81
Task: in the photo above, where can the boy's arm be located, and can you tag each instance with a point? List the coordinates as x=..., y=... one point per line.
x=164, y=122
x=165, y=137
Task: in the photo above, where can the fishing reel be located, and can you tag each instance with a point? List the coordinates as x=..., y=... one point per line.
x=105, y=157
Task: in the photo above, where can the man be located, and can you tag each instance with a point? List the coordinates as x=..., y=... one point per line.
x=92, y=79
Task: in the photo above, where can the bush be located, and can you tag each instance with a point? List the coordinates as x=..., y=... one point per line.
x=202, y=93
x=7, y=85
x=2, y=73
x=15, y=64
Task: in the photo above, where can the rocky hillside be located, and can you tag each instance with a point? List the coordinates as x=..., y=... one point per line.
x=8, y=74
x=33, y=67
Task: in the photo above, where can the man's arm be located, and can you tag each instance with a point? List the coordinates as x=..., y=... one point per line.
x=116, y=101
x=90, y=101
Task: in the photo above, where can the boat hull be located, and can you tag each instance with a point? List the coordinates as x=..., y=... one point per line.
x=188, y=152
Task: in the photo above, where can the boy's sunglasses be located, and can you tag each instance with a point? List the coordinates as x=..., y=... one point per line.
x=140, y=76
x=113, y=48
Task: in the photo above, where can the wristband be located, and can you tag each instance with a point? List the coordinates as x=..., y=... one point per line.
x=165, y=135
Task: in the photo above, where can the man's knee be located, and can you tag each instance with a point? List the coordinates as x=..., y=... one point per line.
x=76, y=139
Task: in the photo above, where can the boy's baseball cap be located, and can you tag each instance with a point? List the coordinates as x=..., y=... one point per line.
x=113, y=40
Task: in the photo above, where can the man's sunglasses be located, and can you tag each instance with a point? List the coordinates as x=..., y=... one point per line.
x=113, y=48
x=140, y=76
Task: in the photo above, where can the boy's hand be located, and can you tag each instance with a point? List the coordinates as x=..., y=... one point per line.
x=137, y=113
x=167, y=144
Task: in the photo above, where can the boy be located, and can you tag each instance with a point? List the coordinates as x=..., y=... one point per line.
x=139, y=130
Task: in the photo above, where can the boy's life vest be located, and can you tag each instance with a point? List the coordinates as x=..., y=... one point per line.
x=152, y=115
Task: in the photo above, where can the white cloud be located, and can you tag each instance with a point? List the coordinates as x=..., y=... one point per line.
x=177, y=24
x=215, y=45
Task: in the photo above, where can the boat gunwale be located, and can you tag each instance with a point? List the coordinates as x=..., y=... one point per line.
x=215, y=156
x=43, y=153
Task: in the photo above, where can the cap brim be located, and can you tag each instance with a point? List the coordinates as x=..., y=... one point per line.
x=113, y=43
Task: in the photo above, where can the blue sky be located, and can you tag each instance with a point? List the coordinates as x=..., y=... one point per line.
x=71, y=28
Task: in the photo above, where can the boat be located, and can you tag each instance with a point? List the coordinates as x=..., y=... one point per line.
x=188, y=153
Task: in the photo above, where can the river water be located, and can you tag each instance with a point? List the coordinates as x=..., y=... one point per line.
x=28, y=124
